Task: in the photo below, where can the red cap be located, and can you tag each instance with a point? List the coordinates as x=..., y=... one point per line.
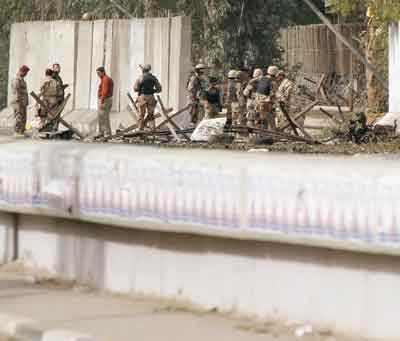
x=24, y=69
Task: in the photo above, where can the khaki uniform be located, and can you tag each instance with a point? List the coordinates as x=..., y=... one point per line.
x=19, y=103
x=250, y=93
x=48, y=93
x=147, y=86
x=60, y=88
x=234, y=101
x=194, y=89
x=284, y=95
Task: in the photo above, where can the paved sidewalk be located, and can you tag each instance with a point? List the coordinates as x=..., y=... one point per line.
x=109, y=318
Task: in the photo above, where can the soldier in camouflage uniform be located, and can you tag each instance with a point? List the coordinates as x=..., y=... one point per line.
x=265, y=93
x=60, y=84
x=49, y=95
x=250, y=93
x=20, y=99
x=232, y=99
x=241, y=82
x=194, y=88
x=283, y=94
x=146, y=86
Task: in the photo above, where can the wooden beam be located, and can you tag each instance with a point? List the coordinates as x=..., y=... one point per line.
x=57, y=114
x=171, y=124
x=173, y=116
x=294, y=124
x=301, y=114
x=135, y=111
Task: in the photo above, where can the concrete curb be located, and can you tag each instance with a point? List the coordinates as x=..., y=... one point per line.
x=25, y=329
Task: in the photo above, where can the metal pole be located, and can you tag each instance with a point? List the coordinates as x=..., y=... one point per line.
x=345, y=42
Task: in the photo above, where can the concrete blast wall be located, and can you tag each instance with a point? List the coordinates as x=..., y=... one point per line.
x=394, y=76
x=119, y=45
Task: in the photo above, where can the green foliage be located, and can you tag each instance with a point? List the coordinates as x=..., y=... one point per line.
x=385, y=11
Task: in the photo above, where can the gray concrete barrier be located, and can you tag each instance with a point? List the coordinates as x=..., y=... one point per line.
x=250, y=233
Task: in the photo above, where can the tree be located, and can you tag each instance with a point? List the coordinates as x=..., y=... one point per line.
x=376, y=15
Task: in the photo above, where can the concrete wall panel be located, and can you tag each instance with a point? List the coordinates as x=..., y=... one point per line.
x=180, y=64
x=84, y=68
x=137, y=52
x=333, y=290
x=63, y=45
x=119, y=45
x=125, y=73
x=98, y=59
x=7, y=223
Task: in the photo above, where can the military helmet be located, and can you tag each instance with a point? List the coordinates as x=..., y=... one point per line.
x=232, y=74
x=280, y=73
x=200, y=67
x=146, y=67
x=273, y=70
x=257, y=73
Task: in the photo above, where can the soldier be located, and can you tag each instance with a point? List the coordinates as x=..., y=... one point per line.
x=20, y=100
x=232, y=100
x=60, y=84
x=241, y=82
x=213, y=99
x=284, y=92
x=48, y=94
x=250, y=93
x=264, y=102
x=146, y=86
x=194, y=89
x=105, y=101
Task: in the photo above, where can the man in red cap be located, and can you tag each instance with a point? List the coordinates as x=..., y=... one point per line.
x=20, y=99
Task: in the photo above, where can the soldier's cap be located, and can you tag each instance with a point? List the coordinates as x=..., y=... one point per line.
x=24, y=69
x=101, y=69
x=145, y=67
x=273, y=70
x=200, y=67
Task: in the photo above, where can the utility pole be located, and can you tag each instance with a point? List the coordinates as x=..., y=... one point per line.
x=345, y=42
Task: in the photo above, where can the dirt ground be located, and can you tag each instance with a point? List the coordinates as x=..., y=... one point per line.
x=391, y=147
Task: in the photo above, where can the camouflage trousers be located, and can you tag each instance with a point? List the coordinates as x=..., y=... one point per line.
x=194, y=103
x=238, y=113
x=20, y=119
x=104, y=110
x=147, y=106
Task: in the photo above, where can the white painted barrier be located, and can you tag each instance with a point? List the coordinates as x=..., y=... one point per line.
x=134, y=193
x=394, y=78
x=338, y=202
